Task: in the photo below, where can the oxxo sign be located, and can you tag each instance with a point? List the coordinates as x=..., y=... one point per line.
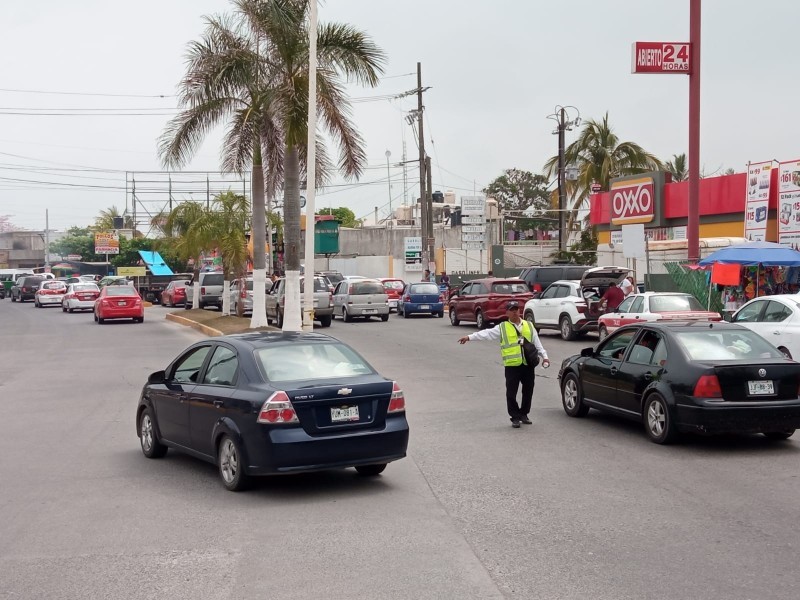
x=661, y=57
x=633, y=201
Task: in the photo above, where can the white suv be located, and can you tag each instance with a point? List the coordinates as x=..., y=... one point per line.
x=572, y=307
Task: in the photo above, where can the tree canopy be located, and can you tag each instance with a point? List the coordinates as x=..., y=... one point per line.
x=344, y=215
x=524, y=200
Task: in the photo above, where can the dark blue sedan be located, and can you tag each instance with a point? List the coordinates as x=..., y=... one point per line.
x=264, y=403
x=421, y=298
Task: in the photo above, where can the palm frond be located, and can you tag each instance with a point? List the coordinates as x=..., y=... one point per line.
x=185, y=132
x=344, y=49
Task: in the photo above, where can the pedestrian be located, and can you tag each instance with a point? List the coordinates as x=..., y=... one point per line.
x=427, y=276
x=612, y=298
x=445, y=279
x=626, y=285
x=511, y=334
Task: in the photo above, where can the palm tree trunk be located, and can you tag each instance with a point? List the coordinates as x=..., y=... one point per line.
x=226, y=293
x=196, y=283
x=291, y=210
x=259, y=233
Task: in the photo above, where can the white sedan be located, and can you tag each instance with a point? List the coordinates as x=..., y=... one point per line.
x=775, y=318
x=654, y=306
x=50, y=292
x=80, y=296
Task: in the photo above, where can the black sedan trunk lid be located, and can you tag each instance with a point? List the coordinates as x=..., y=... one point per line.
x=759, y=381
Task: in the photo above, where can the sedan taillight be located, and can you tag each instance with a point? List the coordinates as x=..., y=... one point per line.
x=707, y=387
x=397, y=402
x=277, y=410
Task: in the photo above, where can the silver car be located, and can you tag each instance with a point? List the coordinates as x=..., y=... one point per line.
x=360, y=298
x=242, y=293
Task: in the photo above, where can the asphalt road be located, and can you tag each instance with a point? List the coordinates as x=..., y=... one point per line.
x=565, y=508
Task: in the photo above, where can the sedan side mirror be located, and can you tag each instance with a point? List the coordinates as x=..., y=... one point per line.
x=587, y=352
x=157, y=377
x=727, y=316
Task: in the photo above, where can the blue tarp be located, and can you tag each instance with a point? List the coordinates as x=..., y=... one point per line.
x=155, y=263
x=766, y=254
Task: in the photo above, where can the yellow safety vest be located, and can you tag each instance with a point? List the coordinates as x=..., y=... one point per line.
x=510, y=347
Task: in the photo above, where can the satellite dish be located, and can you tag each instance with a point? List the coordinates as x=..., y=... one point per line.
x=302, y=201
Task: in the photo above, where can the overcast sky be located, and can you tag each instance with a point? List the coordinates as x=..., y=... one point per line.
x=496, y=69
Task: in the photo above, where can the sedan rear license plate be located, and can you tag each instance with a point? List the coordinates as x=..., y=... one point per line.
x=121, y=302
x=425, y=307
x=344, y=414
x=370, y=311
x=760, y=388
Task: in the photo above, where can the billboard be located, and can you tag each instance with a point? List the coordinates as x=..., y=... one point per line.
x=789, y=204
x=757, y=203
x=661, y=57
x=413, y=253
x=106, y=242
x=633, y=201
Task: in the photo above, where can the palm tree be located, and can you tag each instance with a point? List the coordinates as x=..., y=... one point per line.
x=105, y=220
x=250, y=71
x=677, y=166
x=600, y=157
x=177, y=228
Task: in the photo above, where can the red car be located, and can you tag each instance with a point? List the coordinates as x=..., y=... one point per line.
x=394, y=289
x=118, y=302
x=175, y=294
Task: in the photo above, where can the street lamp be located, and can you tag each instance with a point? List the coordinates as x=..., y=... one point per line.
x=389, y=224
x=563, y=124
x=389, y=180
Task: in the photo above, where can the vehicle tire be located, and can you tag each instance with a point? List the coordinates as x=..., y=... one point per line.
x=100, y=321
x=384, y=318
x=151, y=446
x=12, y=298
x=279, y=319
x=71, y=310
x=440, y=314
x=785, y=352
x=565, y=327
x=346, y=316
x=658, y=420
x=63, y=308
x=453, y=318
x=201, y=305
x=164, y=303
x=139, y=320
x=230, y=463
x=187, y=305
x=602, y=332
x=572, y=397
x=36, y=303
x=529, y=318
x=371, y=470
x=778, y=435
x=325, y=321
x=401, y=313
x=479, y=320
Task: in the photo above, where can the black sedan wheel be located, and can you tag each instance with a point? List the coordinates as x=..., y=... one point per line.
x=572, y=397
x=371, y=470
x=151, y=447
x=657, y=420
x=779, y=435
x=231, y=465
x=453, y=318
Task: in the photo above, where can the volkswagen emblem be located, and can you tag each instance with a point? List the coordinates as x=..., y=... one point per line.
x=348, y=391
x=762, y=372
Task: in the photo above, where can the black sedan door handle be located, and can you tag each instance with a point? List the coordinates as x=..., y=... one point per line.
x=648, y=376
x=613, y=370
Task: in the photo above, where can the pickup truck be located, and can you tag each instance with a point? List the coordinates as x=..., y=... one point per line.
x=323, y=301
x=483, y=301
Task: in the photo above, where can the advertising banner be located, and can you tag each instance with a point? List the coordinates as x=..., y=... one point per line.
x=661, y=57
x=757, y=204
x=106, y=242
x=633, y=201
x=789, y=204
x=413, y=253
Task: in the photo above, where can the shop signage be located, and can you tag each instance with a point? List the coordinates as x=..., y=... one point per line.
x=633, y=201
x=473, y=228
x=473, y=205
x=413, y=253
x=472, y=237
x=473, y=220
x=132, y=271
x=472, y=246
x=106, y=242
x=759, y=176
x=789, y=204
x=661, y=57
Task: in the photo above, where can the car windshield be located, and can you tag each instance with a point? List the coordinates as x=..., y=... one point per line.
x=725, y=345
x=334, y=278
x=213, y=279
x=310, y=361
x=510, y=288
x=120, y=290
x=393, y=285
x=53, y=285
x=319, y=285
x=424, y=288
x=360, y=288
x=674, y=303
x=85, y=287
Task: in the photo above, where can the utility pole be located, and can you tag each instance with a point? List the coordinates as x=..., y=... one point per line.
x=562, y=238
x=46, y=240
x=429, y=241
x=423, y=197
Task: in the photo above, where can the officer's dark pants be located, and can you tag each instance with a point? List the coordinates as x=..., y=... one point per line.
x=514, y=376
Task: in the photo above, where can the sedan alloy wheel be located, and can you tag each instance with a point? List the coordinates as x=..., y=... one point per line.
x=151, y=447
x=453, y=318
x=572, y=398
x=229, y=460
x=657, y=420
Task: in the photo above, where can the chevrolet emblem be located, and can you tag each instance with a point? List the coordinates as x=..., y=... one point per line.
x=345, y=392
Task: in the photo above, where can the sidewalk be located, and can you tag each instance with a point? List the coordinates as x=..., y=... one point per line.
x=211, y=322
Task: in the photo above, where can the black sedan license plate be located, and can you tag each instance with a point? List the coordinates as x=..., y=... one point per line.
x=760, y=388
x=341, y=414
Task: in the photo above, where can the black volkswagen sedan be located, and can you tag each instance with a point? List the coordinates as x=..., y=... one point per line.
x=264, y=403
x=701, y=377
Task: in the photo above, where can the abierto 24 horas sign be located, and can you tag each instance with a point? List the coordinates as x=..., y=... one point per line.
x=661, y=57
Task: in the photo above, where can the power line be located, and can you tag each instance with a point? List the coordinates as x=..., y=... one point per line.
x=98, y=94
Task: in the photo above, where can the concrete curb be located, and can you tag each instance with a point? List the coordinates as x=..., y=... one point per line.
x=209, y=331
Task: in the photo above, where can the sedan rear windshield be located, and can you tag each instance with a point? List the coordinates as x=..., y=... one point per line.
x=334, y=278
x=310, y=361
x=120, y=290
x=53, y=285
x=361, y=288
x=213, y=279
x=670, y=303
x=86, y=287
x=319, y=285
x=393, y=285
x=725, y=345
x=424, y=288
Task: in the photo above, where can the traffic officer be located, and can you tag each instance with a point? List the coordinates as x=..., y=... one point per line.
x=517, y=371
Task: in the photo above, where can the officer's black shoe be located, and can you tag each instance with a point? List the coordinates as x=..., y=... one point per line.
x=527, y=421
x=515, y=423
